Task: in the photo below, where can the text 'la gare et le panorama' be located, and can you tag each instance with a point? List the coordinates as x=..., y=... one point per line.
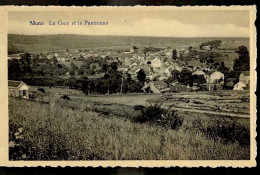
x=66, y=23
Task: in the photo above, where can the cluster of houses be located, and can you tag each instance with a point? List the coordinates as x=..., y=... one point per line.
x=157, y=66
x=64, y=56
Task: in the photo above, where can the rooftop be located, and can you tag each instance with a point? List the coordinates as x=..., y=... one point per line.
x=12, y=83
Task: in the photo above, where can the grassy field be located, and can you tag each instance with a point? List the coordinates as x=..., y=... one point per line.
x=52, y=132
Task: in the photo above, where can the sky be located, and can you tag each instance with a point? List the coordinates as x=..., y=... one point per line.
x=133, y=22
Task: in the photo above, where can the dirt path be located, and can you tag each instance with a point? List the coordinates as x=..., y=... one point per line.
x=130, y=100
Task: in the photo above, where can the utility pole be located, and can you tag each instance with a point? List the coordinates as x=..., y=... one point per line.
x=122, y=82
x=121, y=91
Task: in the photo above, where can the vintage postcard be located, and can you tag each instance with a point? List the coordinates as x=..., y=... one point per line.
x=128, y=86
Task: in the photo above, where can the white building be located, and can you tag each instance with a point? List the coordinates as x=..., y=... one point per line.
x=239, y=86
x=18, y=89
x=156, y=63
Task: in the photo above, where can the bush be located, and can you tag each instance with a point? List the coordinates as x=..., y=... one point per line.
x=224, y=129
x=32, y=96
x=228, y=131
x=65, y=97
x=41, y=89
x=138, y=107
x=155, y=115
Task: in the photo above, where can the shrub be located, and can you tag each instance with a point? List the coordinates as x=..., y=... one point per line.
x=32, y=96
x=65, y=97
x=138, y=107
x=224, y=129
x=228, y=131
x=155, y=115
x=41, y=89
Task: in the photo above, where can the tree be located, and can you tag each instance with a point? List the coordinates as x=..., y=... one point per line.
x=94, y=67
x=54, y=60
x=106, y=76
x=148, y=89
x=104, y=67
x=114, y=66
x=80, y=71
x=185, y=77
x=174, y=76
x=141, y=76
x=72, y=72
x=73, y=66
x=26, y=63
x=73, y=83
x=199, y=79
x=223, y=69
x=85, y=87
x=174, y=54
x=242, y=63
x=128, y=78
x=14, y=70
x=90, y=72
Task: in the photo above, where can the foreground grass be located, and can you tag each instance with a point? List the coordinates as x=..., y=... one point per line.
x=55, y=133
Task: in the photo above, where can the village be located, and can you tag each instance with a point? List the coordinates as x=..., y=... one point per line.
x=160, y=70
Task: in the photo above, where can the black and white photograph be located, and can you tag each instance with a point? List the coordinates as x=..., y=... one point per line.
x=131, y=83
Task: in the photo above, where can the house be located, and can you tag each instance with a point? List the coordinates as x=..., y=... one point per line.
x=162, y=77
x=169, y=69
x=156, y=63
x=61, y=59
x=123, y=68
x=239, y=86
x=156, y=87
x=151, y=88
x=208, y=47
x=133, y=65
x=215, y=78
x=199, y=72
x=50, y=56
x=179, y=88
x=18, y=89
x=160, y=84
x=244, y=77
x=133, y=49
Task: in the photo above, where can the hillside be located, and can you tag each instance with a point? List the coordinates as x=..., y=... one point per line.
x=39, y=43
